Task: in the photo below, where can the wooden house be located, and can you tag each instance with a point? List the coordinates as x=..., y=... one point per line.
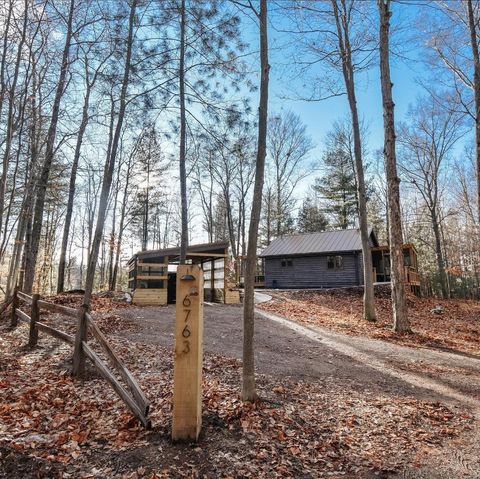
x=152, y=276
x=329, y=259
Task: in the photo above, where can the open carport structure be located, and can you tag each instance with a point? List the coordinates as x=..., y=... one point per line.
x=152, y=275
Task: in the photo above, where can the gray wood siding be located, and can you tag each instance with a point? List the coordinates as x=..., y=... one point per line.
x=312, y=272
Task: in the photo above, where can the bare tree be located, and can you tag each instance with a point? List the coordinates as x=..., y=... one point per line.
x=35, y=137
x=400, y=314
x=111, y=158
x=32, y=246
x=202, y=176
x=473, y=19
x=452, y=35
x=90, y=79
x=343, y=17
x=183, y=138
x=5, y=46
x=242, y=186
x=337, y=36
x=12, y=91
x=427, y=142
x=123, y=214
x=248, y=382
x=288, y=146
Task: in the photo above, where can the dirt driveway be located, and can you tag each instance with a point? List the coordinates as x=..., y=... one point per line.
x=287, y=349
x=284, y=349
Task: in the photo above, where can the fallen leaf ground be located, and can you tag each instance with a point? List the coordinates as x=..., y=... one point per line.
x=456, y=329
x=53, y=426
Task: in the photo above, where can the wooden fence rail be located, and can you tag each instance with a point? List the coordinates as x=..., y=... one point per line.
x=135, y=399
x=140, y=398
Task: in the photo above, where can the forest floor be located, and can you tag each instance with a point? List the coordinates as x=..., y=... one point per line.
x=456, y=329
x=331, y=404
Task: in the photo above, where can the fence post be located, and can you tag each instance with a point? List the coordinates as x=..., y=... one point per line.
x=35, y=316
x=15, y=304
x=78, y=369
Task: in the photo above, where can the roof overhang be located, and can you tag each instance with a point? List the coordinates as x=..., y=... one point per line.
x=301, y=255
x=199, y=251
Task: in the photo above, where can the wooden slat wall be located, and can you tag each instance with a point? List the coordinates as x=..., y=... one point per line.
x=232, y=296
x=150, y=296
x=312, y=272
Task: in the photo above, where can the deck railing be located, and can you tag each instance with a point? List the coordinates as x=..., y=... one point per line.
x=411, y=276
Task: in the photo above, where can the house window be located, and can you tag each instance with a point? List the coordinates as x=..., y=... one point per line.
x=335, y=262
x=287, y=263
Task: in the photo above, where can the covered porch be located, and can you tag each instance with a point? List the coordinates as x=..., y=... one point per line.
x=382, y=266
x=152, y=274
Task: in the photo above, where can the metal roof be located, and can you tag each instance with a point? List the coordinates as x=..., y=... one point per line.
x=317, y=243
x=220, y=247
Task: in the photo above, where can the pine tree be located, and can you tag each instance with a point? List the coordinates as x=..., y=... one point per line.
x=311, y=218
x=337, y=187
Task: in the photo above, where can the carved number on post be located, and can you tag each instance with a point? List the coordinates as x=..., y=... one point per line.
x=186, y=332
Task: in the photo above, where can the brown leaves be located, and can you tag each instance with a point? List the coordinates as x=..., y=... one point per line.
x=299, y=428
x=100, y=303
x=341, y=310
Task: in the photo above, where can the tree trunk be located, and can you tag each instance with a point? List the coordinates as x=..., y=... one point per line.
x=32, y=251
x=248, y=385
x=400, y=315
x=12, y=106
x=446, y=265
x=439, y=253
x=6, y=42
x=348, y=74
x=24, y=218
x=113, y=233
x=230, y=225
x=13, y=188
x=147, y=209
x=110, y=164
x=476, y=84
x=71, y=193
x=278, y=215
x=210, y=199
x=113, y=281
x=183, y=140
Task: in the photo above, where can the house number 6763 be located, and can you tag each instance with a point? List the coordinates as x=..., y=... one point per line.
x=186, y=333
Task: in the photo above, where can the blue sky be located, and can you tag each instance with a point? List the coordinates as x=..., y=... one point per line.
x=319, y=116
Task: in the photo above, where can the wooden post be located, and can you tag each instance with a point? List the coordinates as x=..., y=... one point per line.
x=187, y=388
x=15, y=304
x=78, y=368
x=225, y=280
x=34, y=317
x=212, y=281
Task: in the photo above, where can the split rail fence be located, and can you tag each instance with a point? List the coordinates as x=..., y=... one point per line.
x=135, y=399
